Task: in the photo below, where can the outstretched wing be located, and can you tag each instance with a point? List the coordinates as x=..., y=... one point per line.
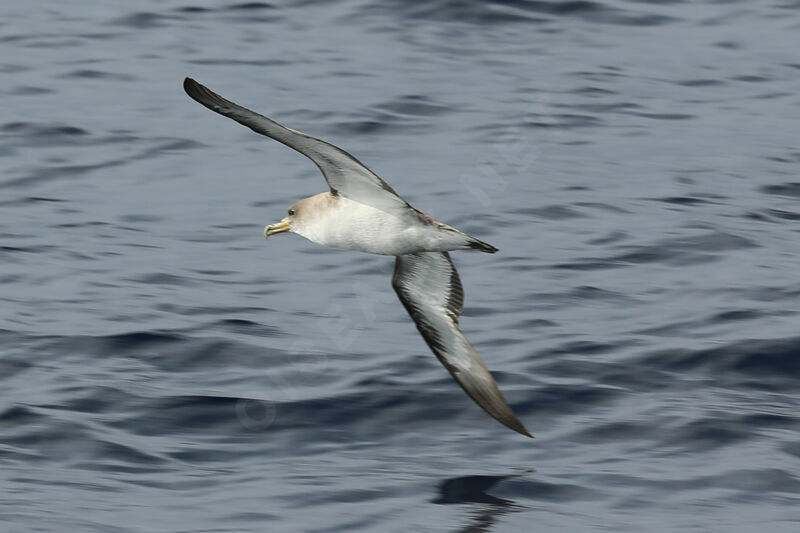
x=345, y=174
x=430, y=289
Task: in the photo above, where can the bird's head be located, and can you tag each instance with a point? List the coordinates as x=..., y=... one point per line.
x=284, y=225
x=308, y=218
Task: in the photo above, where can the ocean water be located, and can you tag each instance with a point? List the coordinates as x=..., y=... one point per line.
x=163, y=368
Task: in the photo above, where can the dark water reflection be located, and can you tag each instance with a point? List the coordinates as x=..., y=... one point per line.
x=484, y=509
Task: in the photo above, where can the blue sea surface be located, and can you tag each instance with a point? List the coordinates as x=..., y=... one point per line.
x=164, y=369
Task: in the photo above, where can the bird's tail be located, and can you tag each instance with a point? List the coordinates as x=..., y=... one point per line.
x=477, y=244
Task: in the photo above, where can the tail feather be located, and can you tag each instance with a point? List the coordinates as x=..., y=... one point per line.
x=476, y=244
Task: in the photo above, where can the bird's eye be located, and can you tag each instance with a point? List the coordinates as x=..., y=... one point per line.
x=291, y=212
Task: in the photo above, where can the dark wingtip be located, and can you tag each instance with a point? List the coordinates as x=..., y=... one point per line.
x=206, y=97
x=192, y=88
x=525, y=432
x=512, y=422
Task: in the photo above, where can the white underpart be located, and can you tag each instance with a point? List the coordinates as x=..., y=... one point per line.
x=350, y=225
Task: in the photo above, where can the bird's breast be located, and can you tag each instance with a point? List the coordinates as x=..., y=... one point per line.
x=351, y=225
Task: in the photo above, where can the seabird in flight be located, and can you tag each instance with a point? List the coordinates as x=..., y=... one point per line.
x=362, y=212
